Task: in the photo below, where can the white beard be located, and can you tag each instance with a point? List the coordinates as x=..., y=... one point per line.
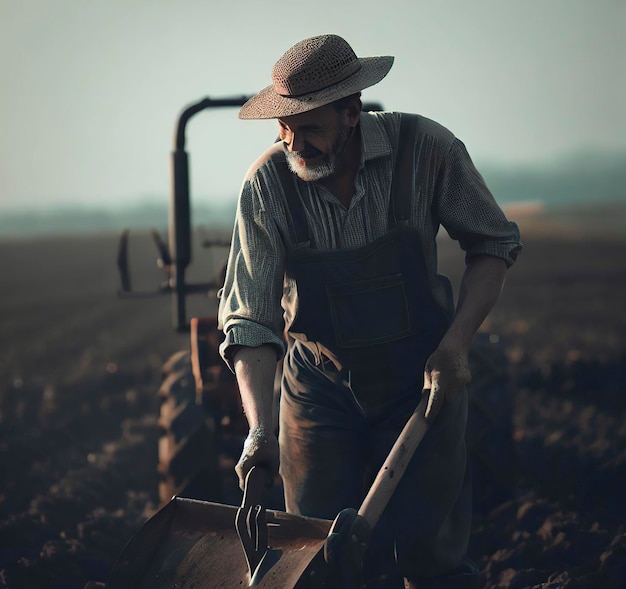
x=311, y=173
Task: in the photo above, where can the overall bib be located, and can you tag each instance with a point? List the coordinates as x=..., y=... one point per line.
x=365, y=324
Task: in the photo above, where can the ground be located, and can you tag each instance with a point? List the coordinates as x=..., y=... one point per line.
x=80, y=367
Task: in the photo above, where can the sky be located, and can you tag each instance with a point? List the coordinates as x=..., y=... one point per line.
x=90, y=90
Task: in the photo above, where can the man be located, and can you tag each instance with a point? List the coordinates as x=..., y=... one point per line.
x=334, y=242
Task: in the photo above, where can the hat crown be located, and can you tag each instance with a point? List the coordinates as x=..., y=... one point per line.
x=314, y=64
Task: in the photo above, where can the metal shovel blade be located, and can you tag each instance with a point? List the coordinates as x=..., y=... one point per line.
x=191, y=543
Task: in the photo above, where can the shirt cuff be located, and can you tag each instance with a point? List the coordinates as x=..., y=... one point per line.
x=505, y=247
x=250, y=334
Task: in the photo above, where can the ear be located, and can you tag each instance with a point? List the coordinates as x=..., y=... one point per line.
x=352, y=112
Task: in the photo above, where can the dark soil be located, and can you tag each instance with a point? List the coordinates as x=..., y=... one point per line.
x=80, y=368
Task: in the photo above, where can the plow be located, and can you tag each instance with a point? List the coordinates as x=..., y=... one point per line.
x=191, y=543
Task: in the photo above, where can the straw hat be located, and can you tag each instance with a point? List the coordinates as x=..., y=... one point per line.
x=315, y=72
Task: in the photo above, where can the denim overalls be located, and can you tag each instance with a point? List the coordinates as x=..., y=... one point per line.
x=365, y=325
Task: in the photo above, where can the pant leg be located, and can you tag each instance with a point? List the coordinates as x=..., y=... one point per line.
x=321, y=436
x=325, y=454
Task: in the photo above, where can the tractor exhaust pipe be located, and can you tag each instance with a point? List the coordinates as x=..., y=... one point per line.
x=180, y=210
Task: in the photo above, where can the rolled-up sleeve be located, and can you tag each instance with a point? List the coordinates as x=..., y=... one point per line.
x=469, y=212
x=250, y=313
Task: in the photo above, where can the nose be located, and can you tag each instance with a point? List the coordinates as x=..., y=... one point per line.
x=294, y=142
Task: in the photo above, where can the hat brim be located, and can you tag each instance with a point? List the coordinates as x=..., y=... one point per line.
x=268, y=104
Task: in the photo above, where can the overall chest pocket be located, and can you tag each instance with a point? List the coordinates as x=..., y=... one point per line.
x=369, y=312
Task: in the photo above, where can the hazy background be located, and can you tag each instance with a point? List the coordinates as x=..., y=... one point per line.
x=91, y=91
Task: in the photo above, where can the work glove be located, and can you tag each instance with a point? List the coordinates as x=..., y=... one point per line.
x=446, y=372
x=259, y=449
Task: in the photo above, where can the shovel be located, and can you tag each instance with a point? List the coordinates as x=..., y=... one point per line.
x=194, y=544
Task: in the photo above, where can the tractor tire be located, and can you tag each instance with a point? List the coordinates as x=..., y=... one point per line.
x=188, y=456
x=489, y=435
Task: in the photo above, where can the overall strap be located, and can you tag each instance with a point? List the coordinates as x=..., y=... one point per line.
x=294, y=203
x=402, y=184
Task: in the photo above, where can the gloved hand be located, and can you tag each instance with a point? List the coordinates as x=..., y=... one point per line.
x=445, y=374
x=259, y=448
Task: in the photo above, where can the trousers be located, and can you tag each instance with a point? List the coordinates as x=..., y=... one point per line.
x=332, y=444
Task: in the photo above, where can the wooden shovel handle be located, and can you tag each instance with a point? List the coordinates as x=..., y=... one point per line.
x=394, y=466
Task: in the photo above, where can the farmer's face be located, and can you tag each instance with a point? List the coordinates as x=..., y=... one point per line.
x=314, y=141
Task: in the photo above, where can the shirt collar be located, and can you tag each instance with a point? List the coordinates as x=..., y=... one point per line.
x=374, y=140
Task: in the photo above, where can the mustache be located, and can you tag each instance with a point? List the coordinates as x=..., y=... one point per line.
x=308, y=152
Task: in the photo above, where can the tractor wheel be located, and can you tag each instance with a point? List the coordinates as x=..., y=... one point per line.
x=188, y=457
x=491, y=448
